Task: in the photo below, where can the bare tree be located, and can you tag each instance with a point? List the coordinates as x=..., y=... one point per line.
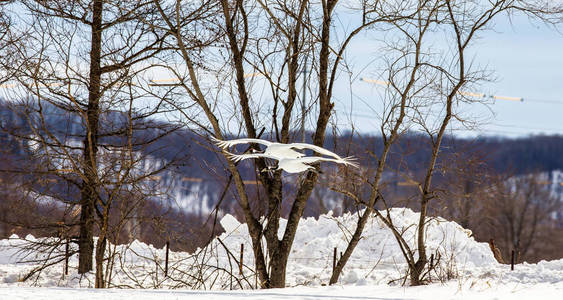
x=518, y=212
x=430, y=92
x=464, y=20
x=467, y=177
x=83, y=63
x=268, y=40
x=404, y=75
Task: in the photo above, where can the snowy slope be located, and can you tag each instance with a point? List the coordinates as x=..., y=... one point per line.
x=376, y=262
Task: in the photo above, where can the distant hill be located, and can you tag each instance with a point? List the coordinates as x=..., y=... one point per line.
x=201, y=171
x=198, y=177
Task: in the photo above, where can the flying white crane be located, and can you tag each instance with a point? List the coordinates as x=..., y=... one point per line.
x=294, y=165
x=277, y=150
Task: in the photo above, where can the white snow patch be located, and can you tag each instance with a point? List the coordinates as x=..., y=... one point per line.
x=376, y=261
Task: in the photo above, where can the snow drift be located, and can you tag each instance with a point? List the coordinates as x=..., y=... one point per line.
x=376, y=260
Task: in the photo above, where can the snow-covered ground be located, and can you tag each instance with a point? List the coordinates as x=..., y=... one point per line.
x=466, y=270
x=452, y=290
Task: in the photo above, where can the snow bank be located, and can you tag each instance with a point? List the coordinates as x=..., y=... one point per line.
x=376, y=260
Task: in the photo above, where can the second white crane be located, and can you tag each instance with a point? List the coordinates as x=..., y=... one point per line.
x=294, y=165
x=279, y=150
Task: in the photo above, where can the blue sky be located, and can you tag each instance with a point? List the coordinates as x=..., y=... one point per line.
x=527, y=59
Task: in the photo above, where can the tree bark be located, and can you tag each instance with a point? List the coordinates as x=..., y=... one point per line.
x=89, y=192
x=100, y=250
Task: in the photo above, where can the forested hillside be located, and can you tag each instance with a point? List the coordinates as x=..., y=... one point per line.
x=194, y=185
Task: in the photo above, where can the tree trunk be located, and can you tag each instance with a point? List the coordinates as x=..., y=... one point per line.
x=416, y=272
x=278, y=266
x=100, y=250
x=89, y=192
x=86, y=239
x=278, y=260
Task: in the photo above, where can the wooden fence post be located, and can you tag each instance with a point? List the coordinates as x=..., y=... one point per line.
x=334, y=260
x=512, y=261
x=241, y=258
x=430, y=267
x=166, y=258
x=67, y=250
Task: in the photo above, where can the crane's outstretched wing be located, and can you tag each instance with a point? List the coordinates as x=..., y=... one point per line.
x=239, y=157
x=349, y=161
x=227, y=144
x=315, y=148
